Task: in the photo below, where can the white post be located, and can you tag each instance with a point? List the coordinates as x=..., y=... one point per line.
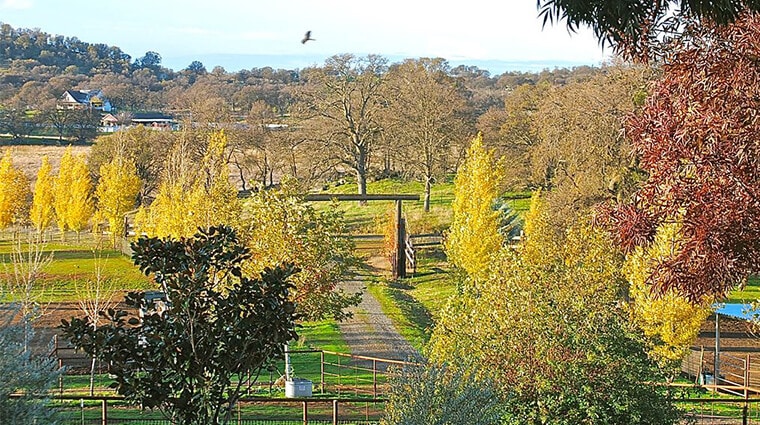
x=287, y=363
x=716, y=369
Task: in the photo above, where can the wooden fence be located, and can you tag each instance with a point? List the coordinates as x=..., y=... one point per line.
x=739, y=373
x=331, y=372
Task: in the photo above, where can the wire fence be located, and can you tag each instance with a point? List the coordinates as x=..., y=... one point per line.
x=73, y=410
x=329, y=373
x=101, y=410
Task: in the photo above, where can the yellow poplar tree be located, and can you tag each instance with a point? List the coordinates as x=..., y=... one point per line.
x=117, y=193
x=42, y=213
x=173, y=213
x=473, y=236
x=5, y=173
x=14, y=193
x=222, y=205
x=670, y=322
x=191, y=198
x=81, y=206
x=62, y=190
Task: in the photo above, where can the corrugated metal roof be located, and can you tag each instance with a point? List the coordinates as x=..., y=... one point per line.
x=740, y=311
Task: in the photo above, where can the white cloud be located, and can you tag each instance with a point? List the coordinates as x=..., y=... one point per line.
x=16, y=4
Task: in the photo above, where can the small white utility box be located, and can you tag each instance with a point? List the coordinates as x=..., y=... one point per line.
x=298, y=388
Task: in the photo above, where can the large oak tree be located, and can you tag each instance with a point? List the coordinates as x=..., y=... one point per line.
x=427, y=114
x=340, y=104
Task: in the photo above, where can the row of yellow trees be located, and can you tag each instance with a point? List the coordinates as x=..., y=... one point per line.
x=190, y=195
x=277, y=226
x=68, y=199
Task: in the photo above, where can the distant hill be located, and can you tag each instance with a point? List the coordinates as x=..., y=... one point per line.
x=39, y=48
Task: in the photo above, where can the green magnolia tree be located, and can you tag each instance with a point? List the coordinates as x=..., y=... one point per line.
x=218, y=326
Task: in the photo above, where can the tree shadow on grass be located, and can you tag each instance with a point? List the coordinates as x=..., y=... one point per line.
x=413, y=310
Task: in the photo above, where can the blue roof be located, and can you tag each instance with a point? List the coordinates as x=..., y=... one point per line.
x=740, y=311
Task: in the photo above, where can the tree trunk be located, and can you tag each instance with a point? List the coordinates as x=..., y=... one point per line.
x=92, y=377
x=428, y=187
x=361, y=184
x=361, y=174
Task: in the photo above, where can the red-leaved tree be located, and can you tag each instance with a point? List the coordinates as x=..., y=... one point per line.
x=698, y=137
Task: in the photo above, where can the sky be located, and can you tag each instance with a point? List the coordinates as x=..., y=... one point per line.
x=491, y=34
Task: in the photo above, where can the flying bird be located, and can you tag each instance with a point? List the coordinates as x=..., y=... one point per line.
x=307, y=37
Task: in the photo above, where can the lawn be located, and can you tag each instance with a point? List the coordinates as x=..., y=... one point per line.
x=750, y=292
x=371, y=218
x=71, y=265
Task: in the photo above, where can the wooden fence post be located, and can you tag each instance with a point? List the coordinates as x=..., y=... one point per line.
x=746, y=377
x=400, y=266
x=335, y=412
x=716, y=361
x=305, y=413
x=374, y=378
x=322, y=371
x=104, y=412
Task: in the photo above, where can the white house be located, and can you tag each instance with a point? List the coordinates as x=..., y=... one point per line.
x=84, y=99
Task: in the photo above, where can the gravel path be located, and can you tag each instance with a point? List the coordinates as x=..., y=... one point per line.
x=370, y=332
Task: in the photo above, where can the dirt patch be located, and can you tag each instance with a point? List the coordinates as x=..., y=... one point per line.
x=29, y=158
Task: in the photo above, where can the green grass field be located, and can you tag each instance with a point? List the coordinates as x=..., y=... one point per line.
x=372, y=218
x=71, y=265
x=750, y=292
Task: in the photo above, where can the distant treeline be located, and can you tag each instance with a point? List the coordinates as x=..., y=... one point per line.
x=37, y=67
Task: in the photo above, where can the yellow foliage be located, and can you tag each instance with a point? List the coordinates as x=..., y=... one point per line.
x=117, y=192
x=81, y=206
x=670, y=321
x=61, y=186
x=173, y=212
x=193, y=198
x=14, y=193
x=279, y=227
x=473, y=235
x=522, y=318
x=42, y=213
